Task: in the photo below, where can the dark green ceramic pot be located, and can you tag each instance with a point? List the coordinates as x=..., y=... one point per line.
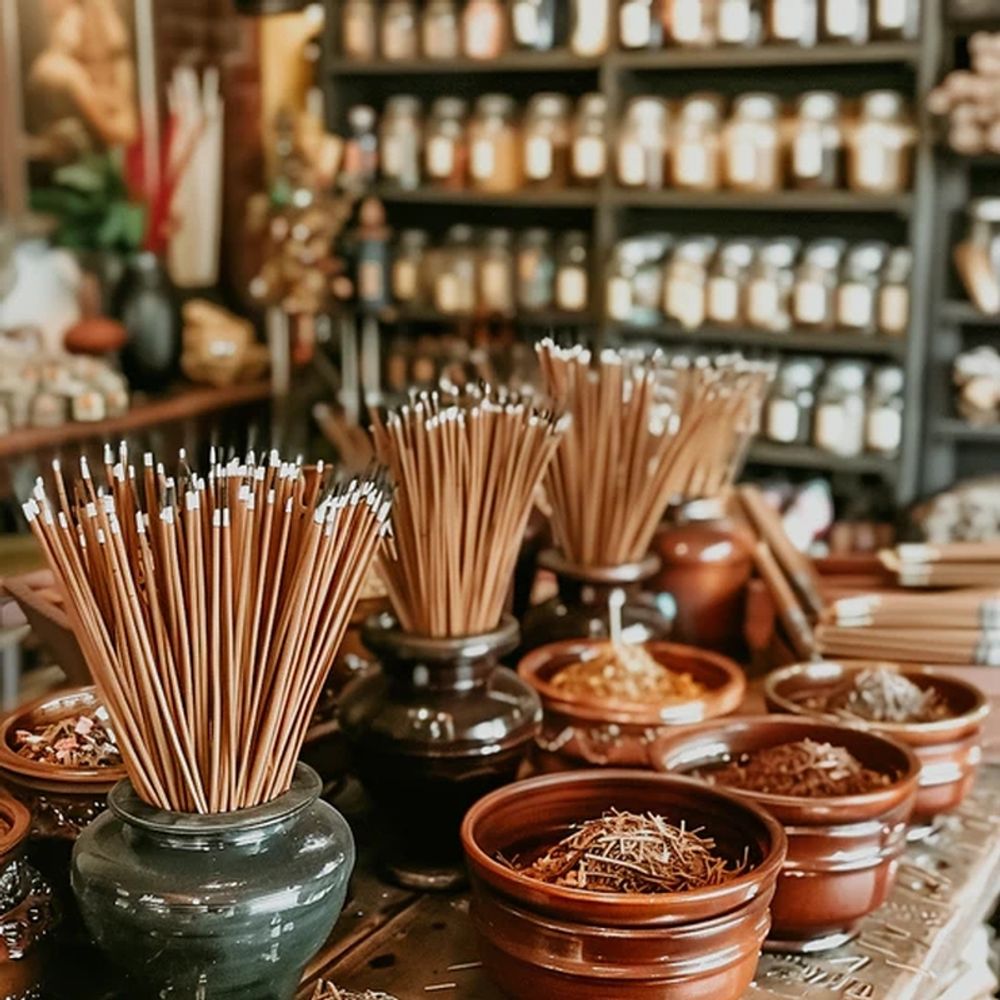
x=226, y=906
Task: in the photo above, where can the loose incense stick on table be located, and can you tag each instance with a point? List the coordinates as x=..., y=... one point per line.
x=209, y=612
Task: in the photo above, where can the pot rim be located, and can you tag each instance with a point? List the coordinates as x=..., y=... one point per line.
x=763, y=874
x=17, y=818
x=383, y=633
x=869, y=803
x=832, y=669
x=593, y=709
x=124, y=802
x=627, y=572
x=54, y=773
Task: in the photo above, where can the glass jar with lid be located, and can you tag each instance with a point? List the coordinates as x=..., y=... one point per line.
x=844, y=21
x=691, y=23
x=769, y=285
x=496, y=274
x=484, y=29
x=895, y=19
x=884, y=419
x=727, y=278
x=446, y=157
x=815, y=291
x=752, y=144
x=977, y=257
x=839, y=427
x=398, y=33
x=788, y=416
x=619, y=281
x=590, y=27
x=634, y=280
x=894, y=293
x=817, y=159
x=359, y=30
x=495, y=145
x=455, y=281
x=440, y=30
x=573, y=272
x=400, y=133
x=589, y=152
x=685, y=281
x=880, y=144
x=792, y=22
x=696, y=143
x=546, y=137
x=535, y=271
x=740, y=22
x=408, y=268
x=361, y=148
x=642, y=146
x=533, y=24
x=640, y=25
x=857, y=293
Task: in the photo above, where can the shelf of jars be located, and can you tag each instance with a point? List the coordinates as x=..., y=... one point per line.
x=528, y=197
x=771, y=201
x=808, y=457
x=553, y=61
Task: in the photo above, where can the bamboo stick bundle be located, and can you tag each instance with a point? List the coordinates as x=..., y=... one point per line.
x=960, y=564
x=941, y=646
x=209, y=610
x=466, y=466
x=646, y=432
x=959, y=609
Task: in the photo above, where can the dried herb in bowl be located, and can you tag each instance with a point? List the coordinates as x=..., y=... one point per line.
x=84, y=740
x=883, y=695
x=805, y=769
x=328, y=991
x=620, y=672
x=624, y=852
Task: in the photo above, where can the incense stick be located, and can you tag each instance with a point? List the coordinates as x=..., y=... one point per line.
x=209, y=612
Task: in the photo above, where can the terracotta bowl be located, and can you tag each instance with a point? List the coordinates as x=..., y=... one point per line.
x=843, y=851
x=949, y=750
x=595, y=731
x=539, y=940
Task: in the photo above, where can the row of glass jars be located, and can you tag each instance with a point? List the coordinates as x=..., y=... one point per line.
x=846, y=408
x=485, y=29
x=773, y=284
x=493, y=272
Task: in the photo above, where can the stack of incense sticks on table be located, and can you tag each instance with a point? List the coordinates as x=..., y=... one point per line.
x=209, y=610
x=956, y=564
x=646, y=432
x=466, y=467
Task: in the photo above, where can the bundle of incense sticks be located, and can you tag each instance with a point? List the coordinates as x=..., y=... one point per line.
x=647, y=431
x=910, y=645
x=209, y=610
x=957, y=564
x=466, y=466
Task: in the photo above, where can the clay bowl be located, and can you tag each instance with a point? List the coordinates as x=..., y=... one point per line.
x=949, y=750
x=593, y=731
x=540, y=940
x=843, y=851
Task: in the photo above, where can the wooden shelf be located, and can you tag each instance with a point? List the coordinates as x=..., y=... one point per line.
x=549, y=317
x=556, y=61
x=779, y=201
x=528, y=197
x=806, y=457
x=965, y=313
x=181, y=405
x=956, y=429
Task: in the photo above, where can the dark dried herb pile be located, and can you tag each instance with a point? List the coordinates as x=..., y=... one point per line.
x=625, y=852
x=884, y=696
x=75, y=741
x=806, y=769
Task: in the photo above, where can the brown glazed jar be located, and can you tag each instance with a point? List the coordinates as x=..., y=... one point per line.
x=705, y=564
x=435, y=729
x=581, y=608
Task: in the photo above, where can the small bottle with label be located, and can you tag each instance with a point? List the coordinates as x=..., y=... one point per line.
x=727, y=277
x=620, y=280
x=372, y=262
x=696, y=144
x=691, y=23
x=495, y=280
x=792, y=22
x=895, y=19
x=535, y=271
x=788, y=415
x=408, y=268
x=685, y=281
x=769, y=285
x=590, y=27
x=894, y=293
x=484, y=29
x=740, y=22
x=533, y=24
x=857, y=294
x=495, y=162
x=815, y=291
x=844, y=21
x=455, y=280
x=642, y=148
x=839, y=426
x=546, y=140
x=400, y=134
x=361, y=148
x=589, y=151
x=884, y=419
x=817, y=153
x=440, y=31
x=752, y=144
x=647, y=289
x=573, y=273
x=640, y=25
x=446, y=154
x=358, y=30
x=398, y=31
x=880, y=145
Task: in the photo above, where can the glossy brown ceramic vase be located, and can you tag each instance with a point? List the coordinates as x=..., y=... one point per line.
x=843, y=851
x=706, y=561
x=580, y=610
x=543, y=941
x=437, y=725
x=589, y=731
x=949, y=750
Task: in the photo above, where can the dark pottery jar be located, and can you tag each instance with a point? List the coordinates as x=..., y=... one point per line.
x=432, y=731
x=146, y=302
x=26, y=909
x=581, y=609
x=224, y=906
x=706, y=562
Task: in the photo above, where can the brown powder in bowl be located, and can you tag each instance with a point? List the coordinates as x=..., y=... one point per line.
x=882, y=695
x=76, y=741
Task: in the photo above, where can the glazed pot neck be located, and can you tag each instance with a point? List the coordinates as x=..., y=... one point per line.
x=700, y=510
x=592, y=586
x=457, y=663
x=244, y=829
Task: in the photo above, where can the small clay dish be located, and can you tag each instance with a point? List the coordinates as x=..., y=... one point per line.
x=592, y=731
x=538, y=939
x=949, y=749
x=843, y=851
